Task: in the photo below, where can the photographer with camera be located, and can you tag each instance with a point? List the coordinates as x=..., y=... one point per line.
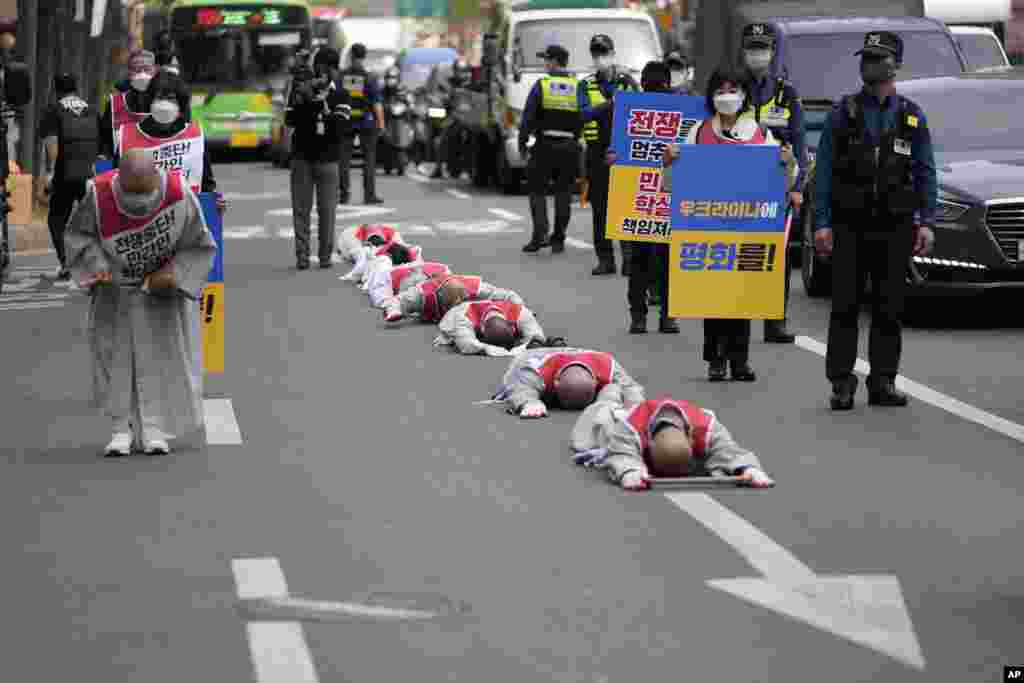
x=319, y=114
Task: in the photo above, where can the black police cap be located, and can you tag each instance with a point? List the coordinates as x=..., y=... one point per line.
x=676, y=60
x=601, y=44
x=882, y=44
x=759, y=34
x=555, y=53
x=359, y=51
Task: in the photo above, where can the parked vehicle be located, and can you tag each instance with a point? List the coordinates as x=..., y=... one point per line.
x=978, y=135
x=981, y=48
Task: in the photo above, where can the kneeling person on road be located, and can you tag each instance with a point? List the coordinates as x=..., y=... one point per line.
x=352, y=240
x=570, y=378
x=493, y=328
x=373, y=260
x=385, y=284
x=660, y=438
x=432, y=299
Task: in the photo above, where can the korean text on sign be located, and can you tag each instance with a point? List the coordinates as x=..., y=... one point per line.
x=750, y=257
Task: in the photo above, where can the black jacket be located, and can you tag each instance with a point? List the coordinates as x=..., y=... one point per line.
x=305, y=111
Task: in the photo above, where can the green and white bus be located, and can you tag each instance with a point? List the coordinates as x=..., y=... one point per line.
x=236, y=55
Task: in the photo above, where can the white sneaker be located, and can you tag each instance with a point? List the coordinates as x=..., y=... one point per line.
x=155, y=445
x=120, y=445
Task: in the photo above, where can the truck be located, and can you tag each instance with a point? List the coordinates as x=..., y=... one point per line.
x=511, y=67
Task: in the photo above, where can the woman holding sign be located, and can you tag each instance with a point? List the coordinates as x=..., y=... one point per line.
x=727, y=341
x=177, y=144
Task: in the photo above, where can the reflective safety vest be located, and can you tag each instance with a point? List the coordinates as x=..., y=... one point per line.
x=596, y=98
x=640, y=420
x=429, y=269
x=121, y=115
x=601, y=364
x=477, y=311
x=355, y=82
x=776, y=112
x=560, y=109
x=139, y=245
x=182, y=152
x=432, y=307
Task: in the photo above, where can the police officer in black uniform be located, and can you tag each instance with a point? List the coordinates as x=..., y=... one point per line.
x=775, y=104
x=367, y=122
x=552, y=116
x=594, y=91
x=70, y=129
x=875, y=171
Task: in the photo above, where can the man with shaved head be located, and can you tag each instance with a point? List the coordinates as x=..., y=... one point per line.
x=139, y=243
x=432, y=299
x=492, y=328
x=569, y=378
x=660, y=438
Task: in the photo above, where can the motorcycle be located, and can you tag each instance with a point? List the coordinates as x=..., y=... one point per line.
x=399, y=134
x=437, y=121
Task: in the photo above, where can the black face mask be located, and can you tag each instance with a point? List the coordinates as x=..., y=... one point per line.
x=877, y=70
x=657, y=87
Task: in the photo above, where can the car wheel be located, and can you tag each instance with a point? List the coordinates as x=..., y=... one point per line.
x=815, y=272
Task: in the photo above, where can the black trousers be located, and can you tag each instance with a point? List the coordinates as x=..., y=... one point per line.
x=648, y=272
x=368, y=142
x=62, y=200
x=883, y=255
x=552, y=160
x=727, y=340
x=599, y=173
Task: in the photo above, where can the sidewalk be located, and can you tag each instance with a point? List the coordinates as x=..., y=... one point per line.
x=31, y=239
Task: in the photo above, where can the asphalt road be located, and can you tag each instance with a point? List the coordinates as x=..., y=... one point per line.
x=365, y=469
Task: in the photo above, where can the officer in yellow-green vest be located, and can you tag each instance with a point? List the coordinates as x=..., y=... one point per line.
x=775, y=104
x=594, y=91
x=552, y=118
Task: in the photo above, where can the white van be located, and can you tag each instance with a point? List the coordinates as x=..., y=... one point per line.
x=981, y=48
x=979, y=27
x=523, y=34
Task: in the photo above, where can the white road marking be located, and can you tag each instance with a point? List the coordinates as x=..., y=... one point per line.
x=241, y=196
x=286, y=233
x=418, y=230
x=868, y=610
x=304, y=608
x=479, y=227
x=31, y=306
x=932, y=397
x=458, y=194
x=417, y=177
x=579, y=244
x=242, y=232
x=36, y=296
x=278, y=649
x=507, y=215
x=221, y=425
x=343, y=213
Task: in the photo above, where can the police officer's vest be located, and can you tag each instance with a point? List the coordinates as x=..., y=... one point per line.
x=596, y=97
x=864, y=174
x=120, y=114
x=182, y=152
x=776, y=113
x=559, y=108
x=356, y=82
x=639, y=419
x=79, y=138
x=139, y=245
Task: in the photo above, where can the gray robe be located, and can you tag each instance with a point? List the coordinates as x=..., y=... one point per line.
x=458, y=330
x=411, y=301
x=146, y=349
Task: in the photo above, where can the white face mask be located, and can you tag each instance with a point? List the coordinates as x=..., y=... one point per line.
x=139, y=203
x=758, y=61
x=140, y=81
x=678, y=79
x=729, y=103
x=165, y=112
x=604, y=63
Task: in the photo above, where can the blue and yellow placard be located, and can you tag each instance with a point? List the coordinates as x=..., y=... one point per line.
x=728, y=233
x=211, y=309
x=643, y=125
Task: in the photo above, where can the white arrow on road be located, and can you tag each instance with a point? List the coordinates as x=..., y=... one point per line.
x=866, y=609
x=342, y=213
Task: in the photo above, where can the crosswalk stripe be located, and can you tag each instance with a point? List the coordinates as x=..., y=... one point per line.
x=34, y=296
x=31, y=306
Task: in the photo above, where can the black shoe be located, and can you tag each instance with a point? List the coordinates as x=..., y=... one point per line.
x=883, y=393
x=343, y=199
x=557, y=246
x=626, y=268
x=604, y=268
x=64, y=275
x=742, y=372
x=775, y=332
x=842, y=394
x=373, y=200
x=638, y=324
x=535, y=245
x=325, y=265
x=716, y=371
x=668, y=326
x=302, y=265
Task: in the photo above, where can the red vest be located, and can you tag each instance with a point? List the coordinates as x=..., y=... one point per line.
x=431, y=310
x=120, y=114
x=706, y=136
x=478, y=310
x=365, y=232
x=429, y=269
x=600, y=363
x=640, y=420
x=113, y=221
x=182, y=152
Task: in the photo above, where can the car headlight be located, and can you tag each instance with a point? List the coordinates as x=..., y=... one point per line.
x=398, y=109
x=948, y=210
x=437, y=112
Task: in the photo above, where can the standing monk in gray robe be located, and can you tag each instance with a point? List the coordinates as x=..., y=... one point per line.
x=139, y=243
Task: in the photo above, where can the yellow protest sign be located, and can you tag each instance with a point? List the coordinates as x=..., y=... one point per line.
x=639, y=208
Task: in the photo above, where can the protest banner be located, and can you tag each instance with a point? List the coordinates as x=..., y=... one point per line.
x=212, y=302
x=728, y=233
